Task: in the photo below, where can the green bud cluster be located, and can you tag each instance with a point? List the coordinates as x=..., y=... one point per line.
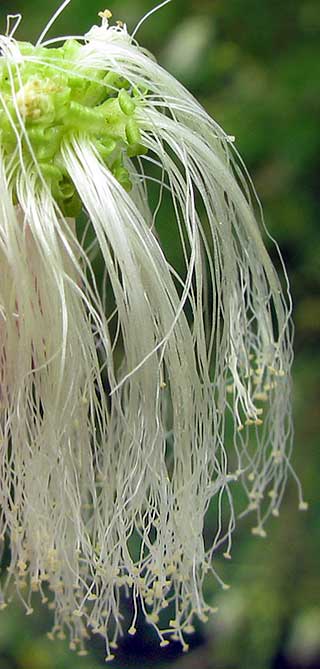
x=53, y=98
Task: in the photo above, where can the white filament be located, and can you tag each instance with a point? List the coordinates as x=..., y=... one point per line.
x=53, y=19
x=147, y=15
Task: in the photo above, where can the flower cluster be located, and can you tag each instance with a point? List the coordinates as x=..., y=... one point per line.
x=137, y=398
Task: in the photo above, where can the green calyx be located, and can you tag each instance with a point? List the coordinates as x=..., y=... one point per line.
x=56, y=99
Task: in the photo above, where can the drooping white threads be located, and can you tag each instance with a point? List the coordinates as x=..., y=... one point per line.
x=118, y=388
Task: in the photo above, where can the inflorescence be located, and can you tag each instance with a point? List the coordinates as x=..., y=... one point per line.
x=141, y=405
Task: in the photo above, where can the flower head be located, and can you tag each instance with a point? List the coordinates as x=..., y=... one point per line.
x=120, y=374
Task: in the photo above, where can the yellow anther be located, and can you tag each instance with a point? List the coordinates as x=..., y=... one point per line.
x=270, y=386
x=155, y=570
x=276, y=372
x=171, y=569
x=96, y=629
x=21, y=565
x=259, y=531
x=132, y=630
x=153, y=617
x=277, y=454
x=174, y=623
x=189, y=629
x=106, y=14
x=303, y=506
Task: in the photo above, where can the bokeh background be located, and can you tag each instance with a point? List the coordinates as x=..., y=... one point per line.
x=255, y=66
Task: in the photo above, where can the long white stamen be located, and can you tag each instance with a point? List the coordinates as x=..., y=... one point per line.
x=17, y=18
x=53, y=19
x=147, y=15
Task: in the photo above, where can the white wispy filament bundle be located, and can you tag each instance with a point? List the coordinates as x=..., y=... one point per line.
x=117, y=392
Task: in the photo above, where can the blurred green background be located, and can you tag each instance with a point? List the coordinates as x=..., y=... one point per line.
x=255, y=66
